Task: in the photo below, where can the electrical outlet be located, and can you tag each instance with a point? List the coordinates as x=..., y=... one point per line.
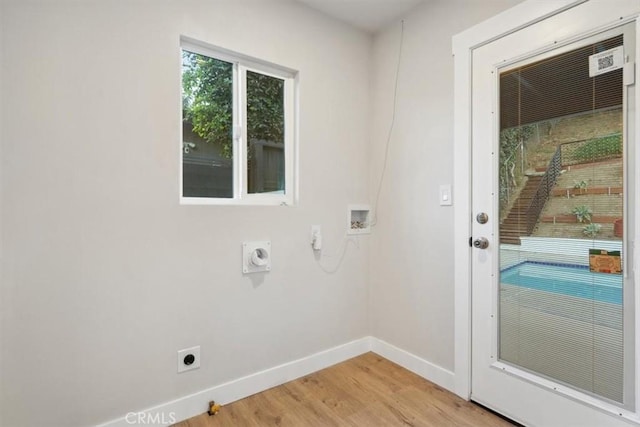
x=188, y=359
x=316, y=237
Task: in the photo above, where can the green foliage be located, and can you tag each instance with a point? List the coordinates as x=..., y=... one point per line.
x=580, y=185
x=510, y=140
x=591, y=230
x=582, y=213
x=207, y=98
x=207, y=102
x=265, y=107
x=600, y=148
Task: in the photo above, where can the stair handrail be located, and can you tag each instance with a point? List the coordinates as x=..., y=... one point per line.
x=545, y=186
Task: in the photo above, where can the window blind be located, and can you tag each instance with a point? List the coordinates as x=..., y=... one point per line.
x=561, y=195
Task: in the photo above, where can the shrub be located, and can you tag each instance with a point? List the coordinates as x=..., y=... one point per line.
x=580, y=185
x=591, y=230
x=582, y=213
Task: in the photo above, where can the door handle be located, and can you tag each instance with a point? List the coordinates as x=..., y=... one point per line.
x=481, y=243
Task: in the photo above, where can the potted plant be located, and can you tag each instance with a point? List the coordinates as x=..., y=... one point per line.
x=618, y=228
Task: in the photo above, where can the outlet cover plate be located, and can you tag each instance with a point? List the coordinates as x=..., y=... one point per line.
x=183, y=367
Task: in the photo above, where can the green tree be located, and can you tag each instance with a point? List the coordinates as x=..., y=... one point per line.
x=207, y=102
x=265, y=107
x=207, y=98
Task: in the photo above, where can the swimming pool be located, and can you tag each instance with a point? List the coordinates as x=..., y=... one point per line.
x=572, y=280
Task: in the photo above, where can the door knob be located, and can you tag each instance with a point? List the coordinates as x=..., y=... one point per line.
x=481, y=243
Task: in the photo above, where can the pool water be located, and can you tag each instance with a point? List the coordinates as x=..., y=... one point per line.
x=572, y=280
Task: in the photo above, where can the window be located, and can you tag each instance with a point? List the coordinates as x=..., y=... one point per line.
x=237, y=129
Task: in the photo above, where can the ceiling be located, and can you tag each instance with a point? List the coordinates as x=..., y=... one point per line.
x=368, y=15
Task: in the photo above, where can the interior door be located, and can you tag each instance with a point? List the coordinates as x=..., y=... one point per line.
x=554, y=190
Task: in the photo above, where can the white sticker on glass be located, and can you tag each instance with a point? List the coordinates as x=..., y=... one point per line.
x=606, y=61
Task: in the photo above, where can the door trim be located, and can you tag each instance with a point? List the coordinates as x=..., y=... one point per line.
x=464, y=44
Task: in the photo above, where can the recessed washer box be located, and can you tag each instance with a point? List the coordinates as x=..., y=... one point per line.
x=358, y=219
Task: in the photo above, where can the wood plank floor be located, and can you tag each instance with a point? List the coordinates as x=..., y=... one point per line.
x=365, y=391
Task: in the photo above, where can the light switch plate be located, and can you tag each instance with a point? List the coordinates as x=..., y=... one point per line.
x=445, y=195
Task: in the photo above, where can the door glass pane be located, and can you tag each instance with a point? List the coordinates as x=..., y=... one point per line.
x=562, y=198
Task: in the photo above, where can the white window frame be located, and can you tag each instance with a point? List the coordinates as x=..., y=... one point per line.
x=242, y=64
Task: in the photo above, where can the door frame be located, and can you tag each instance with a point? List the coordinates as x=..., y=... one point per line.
x=520, y=16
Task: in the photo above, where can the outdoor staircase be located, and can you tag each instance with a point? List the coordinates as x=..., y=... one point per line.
x=515, y=224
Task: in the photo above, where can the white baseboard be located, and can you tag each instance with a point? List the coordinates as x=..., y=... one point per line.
x=427, y=370
x=196, y=403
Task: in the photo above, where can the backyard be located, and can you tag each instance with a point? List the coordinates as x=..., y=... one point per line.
x=587, y=198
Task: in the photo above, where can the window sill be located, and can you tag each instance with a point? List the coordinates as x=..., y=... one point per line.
x=257, y=200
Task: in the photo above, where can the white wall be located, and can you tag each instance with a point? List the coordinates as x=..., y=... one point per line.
x=412, y=257
x=105, y=276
